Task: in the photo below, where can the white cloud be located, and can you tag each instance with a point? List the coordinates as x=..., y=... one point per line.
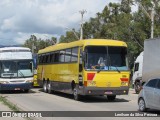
x=21, y=18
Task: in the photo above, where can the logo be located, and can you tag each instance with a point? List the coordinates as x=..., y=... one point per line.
x=6, y=114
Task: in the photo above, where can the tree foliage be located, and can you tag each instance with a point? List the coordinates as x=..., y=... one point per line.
x=36, y=44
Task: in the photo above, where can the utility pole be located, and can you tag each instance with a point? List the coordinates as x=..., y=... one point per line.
x=33, y=46
x=152, y=20
x=82, y=13
x=150, y=16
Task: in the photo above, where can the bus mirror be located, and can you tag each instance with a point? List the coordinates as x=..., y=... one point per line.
x=83, y=56
x=30, y=66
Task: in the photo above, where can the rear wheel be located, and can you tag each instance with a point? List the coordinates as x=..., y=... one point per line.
x=45, y=86
x=142, y=105
x=111, y=97
x=49, y=88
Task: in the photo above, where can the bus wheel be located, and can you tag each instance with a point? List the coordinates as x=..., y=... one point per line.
x=75, y=94
x=49, y=88
x=111, y=97
x=45, y=86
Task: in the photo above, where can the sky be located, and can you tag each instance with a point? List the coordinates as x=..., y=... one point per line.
x=44, y=18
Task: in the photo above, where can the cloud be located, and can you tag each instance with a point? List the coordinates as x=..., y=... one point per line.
x=43, y=17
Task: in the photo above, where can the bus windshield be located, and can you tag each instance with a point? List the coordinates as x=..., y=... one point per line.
x=106, y=58
x=16, y=69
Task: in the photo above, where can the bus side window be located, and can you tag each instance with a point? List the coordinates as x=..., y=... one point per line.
x=52, y=57
x=48, y=58
x=39, y=59
x=56, y=58
x=74, y=57
x=44, y=59
x=61, y=56
x=68, y=55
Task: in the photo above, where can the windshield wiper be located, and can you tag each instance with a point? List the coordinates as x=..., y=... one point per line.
x=99, y=70
x=113, y=66
x=117, y=69
x=21, y=73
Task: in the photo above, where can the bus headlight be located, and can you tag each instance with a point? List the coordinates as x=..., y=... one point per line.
x=29, y=81
x=4, y=82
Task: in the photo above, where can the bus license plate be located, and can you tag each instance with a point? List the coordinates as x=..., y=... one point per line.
x=91, y=83
x=17, y=89
x=108, y=92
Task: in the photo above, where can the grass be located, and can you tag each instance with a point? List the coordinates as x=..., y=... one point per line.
x=12, y=106
x=9, y=104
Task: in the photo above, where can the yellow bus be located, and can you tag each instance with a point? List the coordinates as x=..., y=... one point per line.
x=85, y=67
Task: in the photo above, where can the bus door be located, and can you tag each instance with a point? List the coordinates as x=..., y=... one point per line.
x=80, y=77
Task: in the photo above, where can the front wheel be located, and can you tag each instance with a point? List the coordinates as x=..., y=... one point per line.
x=75, y=94
x=142, y=105
x=111, y=97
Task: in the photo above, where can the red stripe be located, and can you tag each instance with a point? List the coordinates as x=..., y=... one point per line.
x=124, y=79
x=90, y=76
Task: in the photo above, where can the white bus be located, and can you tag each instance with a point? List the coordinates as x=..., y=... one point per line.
x=16, y=68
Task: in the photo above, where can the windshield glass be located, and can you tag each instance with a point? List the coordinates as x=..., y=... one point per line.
x=106, y=58
x=9, y=69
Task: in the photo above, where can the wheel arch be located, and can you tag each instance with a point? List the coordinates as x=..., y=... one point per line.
x=73, y=84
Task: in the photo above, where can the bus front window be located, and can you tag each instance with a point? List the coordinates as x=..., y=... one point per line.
x=8, y=69
x=106, y=58
x=117, y=58
x=25, y=68
x=14, y=69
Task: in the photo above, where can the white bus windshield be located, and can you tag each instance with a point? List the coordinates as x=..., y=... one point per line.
x=106, y=58
x=16, y=69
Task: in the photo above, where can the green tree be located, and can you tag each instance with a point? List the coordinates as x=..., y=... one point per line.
x=37, y=44
x=70, y=37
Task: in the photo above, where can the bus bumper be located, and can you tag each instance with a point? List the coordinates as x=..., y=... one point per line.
x=20, y=86
x=103, y=91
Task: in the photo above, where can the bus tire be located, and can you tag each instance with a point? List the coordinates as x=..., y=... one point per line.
x=49, y=87
x=75, y=94
x=111, y=97
x=45, y=86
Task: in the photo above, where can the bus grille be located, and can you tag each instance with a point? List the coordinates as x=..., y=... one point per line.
x=17, y=81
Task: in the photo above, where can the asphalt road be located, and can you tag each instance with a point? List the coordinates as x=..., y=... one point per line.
x=36, y=100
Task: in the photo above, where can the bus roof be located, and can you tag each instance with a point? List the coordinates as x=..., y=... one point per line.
x=10, y=49
x=87, y=42
x=15, y=53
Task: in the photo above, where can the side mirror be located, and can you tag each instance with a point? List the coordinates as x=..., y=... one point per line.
x=30, y=66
